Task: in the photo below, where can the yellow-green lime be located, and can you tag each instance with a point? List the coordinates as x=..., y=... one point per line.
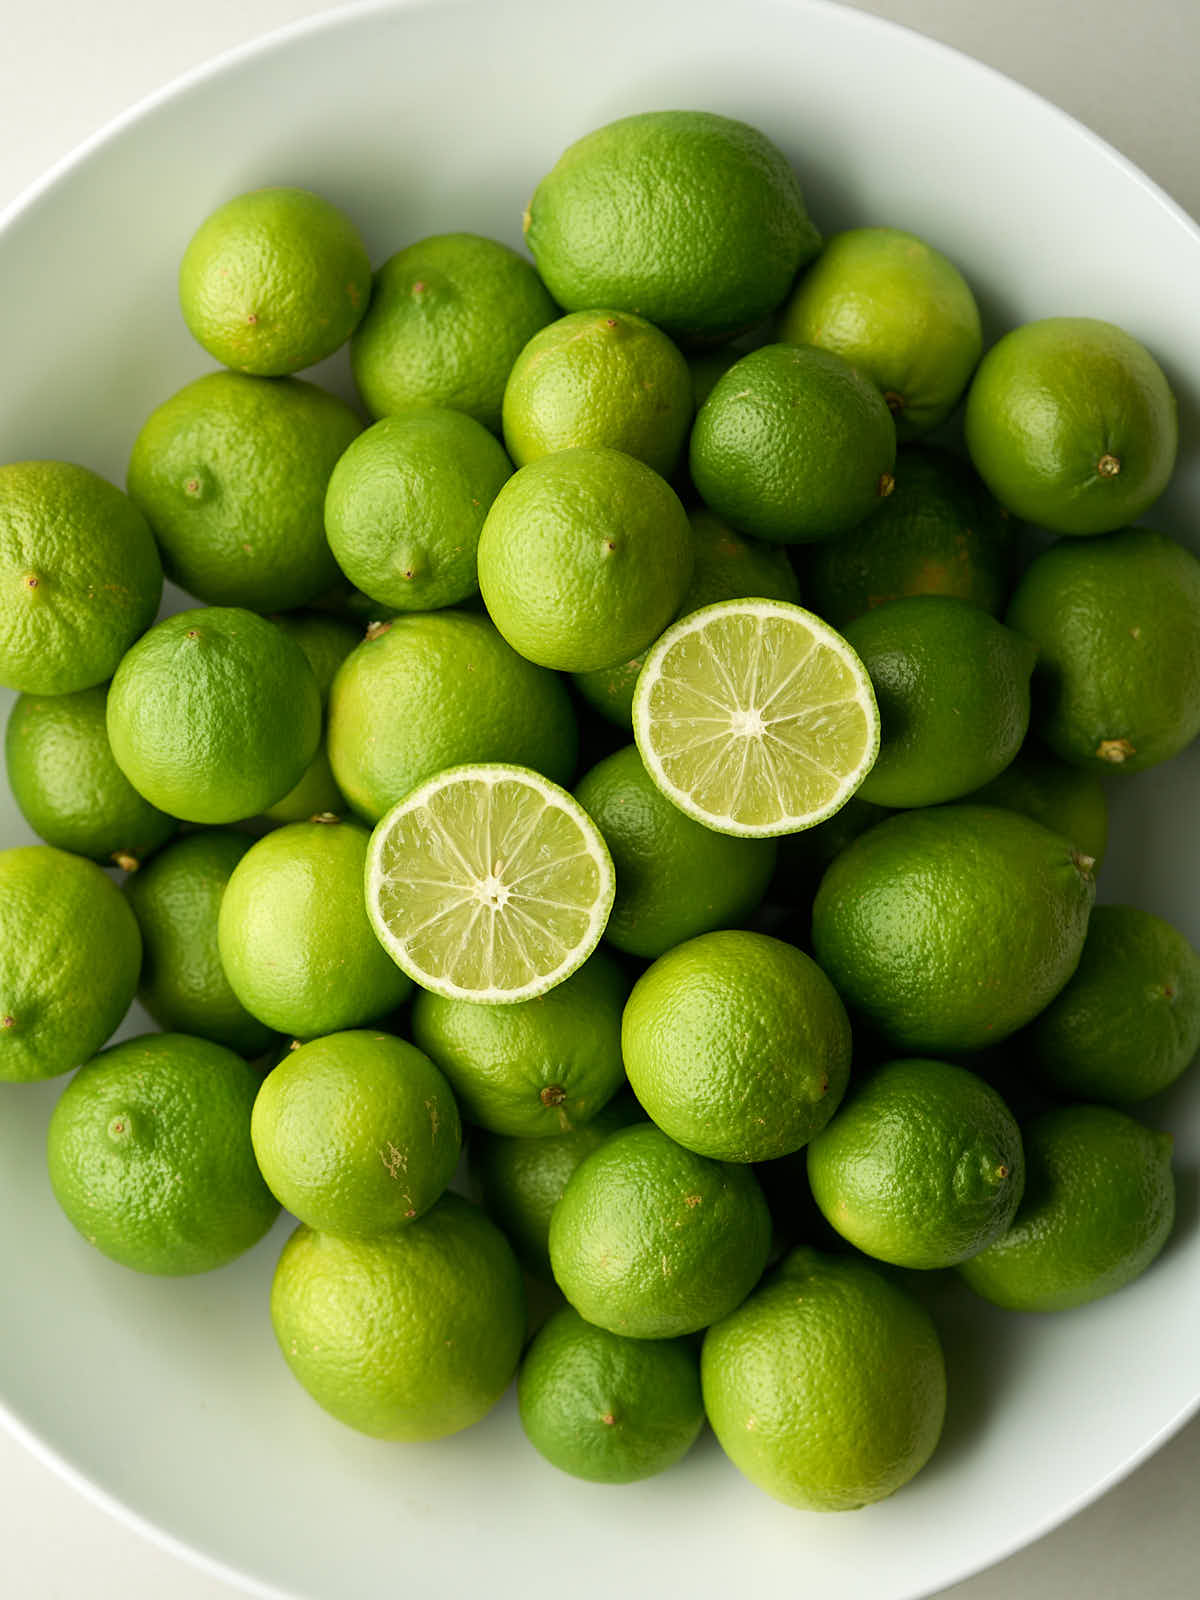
x=150, y=1157
x=1072, y=425
x=654, y=1241
x=1099, y=1206
x=828, y=1387
x=294, y=937
x=606, y=1408
x=79, y=572
x=274, y=280
x=411, y=1335
x=68, y=786
x=1068, y=800
x=448, y=317
x=69, y=956
x=755, y=718
x=326, y=642
x=214, y=714
x=231, y=474
x=584, y=558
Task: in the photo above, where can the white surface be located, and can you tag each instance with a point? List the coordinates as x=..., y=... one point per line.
x=67, y=66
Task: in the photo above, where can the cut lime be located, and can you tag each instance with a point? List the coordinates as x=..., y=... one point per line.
x=755, y=717
x=489, y=883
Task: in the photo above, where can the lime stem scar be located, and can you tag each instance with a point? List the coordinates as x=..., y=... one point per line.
x=1108, y=465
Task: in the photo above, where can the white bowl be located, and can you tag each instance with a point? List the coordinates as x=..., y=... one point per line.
x=167, y=1400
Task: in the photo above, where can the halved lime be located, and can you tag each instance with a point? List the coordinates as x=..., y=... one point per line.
x=489, y=883
x=755, y=717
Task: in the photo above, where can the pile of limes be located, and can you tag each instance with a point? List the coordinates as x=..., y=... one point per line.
x=498, y=789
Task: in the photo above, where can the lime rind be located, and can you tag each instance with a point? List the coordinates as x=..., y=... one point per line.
x=755, y=717
x=488, y=883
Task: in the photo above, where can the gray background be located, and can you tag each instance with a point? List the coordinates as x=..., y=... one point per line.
x=1125, y=67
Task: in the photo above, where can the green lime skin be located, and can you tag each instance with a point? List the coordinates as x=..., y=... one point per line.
x=900, y=312
x=230, y=473
x=952, y=685
x=827, y=1388
x=725, y=566
x=150, y=1157
x=606, y=1408
x=69, y=957
x=1116, y=620
x=1072, y=425
x=1068, y=800
x=326, y=642
x=584, y=558
x=448, y=317
x=295, y=941
x=653, y=1241
x=599, y=378
x=952, y=927
x=922, y=1166
x=80, y=575
x=737, y=1046
x=689, y=219
x=67, y=785
x=356, y=1133
x=536, y=1068
x=1128, y=1023
x=675, y=877
x=793, y=445
x=176, y=899
x=214, y=714
x=522, y=1179
x=274, y=280
x=406, y=503
x=411, y=1335
x=1099, y=1205
x=938, y=532
x=426, y=692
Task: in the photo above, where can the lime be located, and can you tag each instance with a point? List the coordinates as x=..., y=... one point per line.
x=422, y=693
x=326, y=642
x=274, y=280
x=231, y=474
x=176, y=899
x=900, y=312
x=690, y=219
x=793, y=444
x=214, y=714
x=1128, y=1022
x=1068, y=800
x=606, y=1408
x=675, y=877
x=356, y=1133
x=828, y=1387
x=67, y=785
x=543, y=1066
x=737, y=1046
x=406, y=503
x=488, y=883
x=952, y=927
x=938, y=532
x=584, y=558
x=82, y=574
x=1099, y=1206
x=150, y=1157
x=1117, y=624
x=599, y=378
x=654, y=1241
x=293, y=933
x=952, y=685
x=755, y=718
x=922, y=1166
x=69, y=956
x=410, y=1335
x=448, y=317
x=1072, y=425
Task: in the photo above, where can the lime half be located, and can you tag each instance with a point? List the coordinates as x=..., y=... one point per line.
x=755, y=717
x=489, y=883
